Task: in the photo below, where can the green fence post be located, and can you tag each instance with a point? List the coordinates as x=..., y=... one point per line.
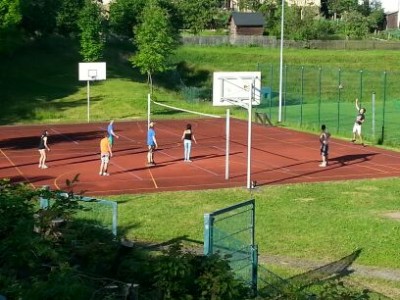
x=254, y=281
x=285, y=92
x=361, y=85
x=207, y=234
x=271, y=80
x=384, y=106
x=338, y=103
x=302, y=95
x=319, y=95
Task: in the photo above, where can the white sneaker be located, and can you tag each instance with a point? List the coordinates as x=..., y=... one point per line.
x=45, y=167
x=322, y=165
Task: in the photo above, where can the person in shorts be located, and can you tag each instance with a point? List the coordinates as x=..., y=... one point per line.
x=151, y=144
x=324, y=142
x=111, y=133
x=358, y=123
x=105, y=155
x=42, y=150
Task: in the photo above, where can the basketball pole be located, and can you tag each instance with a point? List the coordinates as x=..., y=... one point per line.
x=227, y=144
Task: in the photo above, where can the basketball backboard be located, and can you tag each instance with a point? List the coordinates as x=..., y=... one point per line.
x=236, y=88
x=92, y=71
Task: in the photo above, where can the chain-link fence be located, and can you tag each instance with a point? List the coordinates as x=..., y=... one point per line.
x=312, y=96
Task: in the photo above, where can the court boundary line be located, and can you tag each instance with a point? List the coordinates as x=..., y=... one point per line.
x=152, y=178
x=17, y=168
x=66, y=136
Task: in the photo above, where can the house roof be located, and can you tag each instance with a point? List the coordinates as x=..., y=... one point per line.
x=248, y=19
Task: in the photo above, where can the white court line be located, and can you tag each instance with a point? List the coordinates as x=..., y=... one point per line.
x=123, y=136
x=16, y=168
x=194, y=165
x=138, y=124
x=67, y=137
x=124, y=169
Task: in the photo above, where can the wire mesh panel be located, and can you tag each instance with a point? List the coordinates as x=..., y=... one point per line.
x=100, y=212
x=313, y=95
x=229, y=232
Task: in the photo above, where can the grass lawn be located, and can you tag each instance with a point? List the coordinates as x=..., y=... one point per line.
x=315, y=221
x=318, y=222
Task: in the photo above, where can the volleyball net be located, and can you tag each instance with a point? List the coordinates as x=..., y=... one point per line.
x=157, y=110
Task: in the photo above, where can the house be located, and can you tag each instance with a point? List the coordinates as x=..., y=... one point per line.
x=392, y=20
x=242, y=23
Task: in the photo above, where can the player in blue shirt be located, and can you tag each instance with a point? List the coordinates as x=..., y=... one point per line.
x=151, y=144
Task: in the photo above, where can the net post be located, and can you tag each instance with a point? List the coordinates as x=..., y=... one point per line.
x=148, y=109
x=88, y=101
x=373, y=114
x=249, y=109
x=227, y=144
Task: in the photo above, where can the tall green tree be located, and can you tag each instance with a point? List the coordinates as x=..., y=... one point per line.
x=376, y=17
x=10, y=18
x=125, y=15
x=10, y=14
x=197, y=15
x=39, y=16
x=155, y=41
x=339, y=7
x=67, y=17
x=93, y=34
x=354, y=25
x=250, y=5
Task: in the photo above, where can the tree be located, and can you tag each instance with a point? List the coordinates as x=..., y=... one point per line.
x=300, y=23
x=272, y=13
x=92, y=26
x=197, y=14
x=67, y=17
x=10, y=18
x=354, y=25
x=125, y=15
x=39, y=16
x=376, y=17
x=155, y=40
x=338, y=7
x=249, y=5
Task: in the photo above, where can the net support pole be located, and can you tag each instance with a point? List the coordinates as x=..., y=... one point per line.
x=373, y=114
x=148, y=109
x=88, y=100
x=228, y=137
x=249, y=109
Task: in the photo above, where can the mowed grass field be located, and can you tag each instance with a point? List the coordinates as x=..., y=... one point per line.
x=306, y=222
x=321, y=222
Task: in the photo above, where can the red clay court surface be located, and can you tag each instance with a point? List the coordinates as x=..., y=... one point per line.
x=279, y=156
